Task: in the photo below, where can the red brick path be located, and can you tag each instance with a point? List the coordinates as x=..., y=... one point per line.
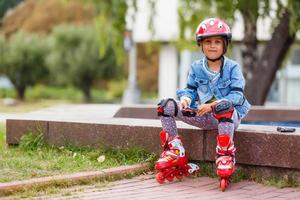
x=145, y=187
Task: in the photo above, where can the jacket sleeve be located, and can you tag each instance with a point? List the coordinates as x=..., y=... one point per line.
x=191, y=88
x=237, y=86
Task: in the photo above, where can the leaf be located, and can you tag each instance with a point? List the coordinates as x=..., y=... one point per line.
x=101, y=159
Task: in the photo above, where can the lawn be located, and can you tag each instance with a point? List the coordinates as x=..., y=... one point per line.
x=33, y=158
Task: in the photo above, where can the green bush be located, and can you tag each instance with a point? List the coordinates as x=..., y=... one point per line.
x=22, y=61
x=74, y=58
x=39, y=92
x=116, y=88
x=43, y=92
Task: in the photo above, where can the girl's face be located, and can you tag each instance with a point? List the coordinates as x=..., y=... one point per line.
x=213, y=47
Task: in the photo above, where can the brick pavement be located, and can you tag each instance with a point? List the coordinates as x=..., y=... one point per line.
x=145, y=187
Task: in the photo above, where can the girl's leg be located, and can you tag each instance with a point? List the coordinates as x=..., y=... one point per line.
x=229, y=127
x=228, y=123
x=206, y=121
x=173, y=161
x=168, y=118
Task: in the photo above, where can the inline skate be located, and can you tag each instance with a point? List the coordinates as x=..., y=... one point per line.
x=225, y=160
x=173, y=162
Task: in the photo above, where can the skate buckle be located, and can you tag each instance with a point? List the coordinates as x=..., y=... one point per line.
x=224, y=167
x=193, y=168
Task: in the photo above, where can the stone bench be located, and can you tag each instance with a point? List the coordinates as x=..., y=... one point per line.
x=257, y=113
x=256, y=145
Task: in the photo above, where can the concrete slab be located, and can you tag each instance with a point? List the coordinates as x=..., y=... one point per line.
x=93, y=125
x=257, y=113
x=80, y=112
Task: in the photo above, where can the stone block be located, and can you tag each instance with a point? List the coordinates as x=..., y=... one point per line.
x=256, y=145
x=137, y=112
x=260, y=148
x=15, y=129
x=272, y=114
x=257, y=113
x=94, y=135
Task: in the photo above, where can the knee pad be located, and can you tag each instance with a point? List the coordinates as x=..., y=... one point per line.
x=223, y=111
x=161, y=107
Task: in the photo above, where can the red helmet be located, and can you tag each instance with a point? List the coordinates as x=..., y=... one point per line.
x=212, y=27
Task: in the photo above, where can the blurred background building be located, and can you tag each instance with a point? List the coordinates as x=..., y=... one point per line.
x=173, y=65
x=159, y=67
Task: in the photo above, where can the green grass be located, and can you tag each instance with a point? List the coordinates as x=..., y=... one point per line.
x=2, y=137
x=33, y=158
x=279, y=182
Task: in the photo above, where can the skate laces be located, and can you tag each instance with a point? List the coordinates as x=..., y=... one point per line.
x=229, y=150
x=176, y=146
x=225, y=154
x=170, y=155
x=225, y=160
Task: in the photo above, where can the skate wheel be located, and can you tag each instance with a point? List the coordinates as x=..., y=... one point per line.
x=170, y=178
x=223, y=184
x=160, y=178
x=186, y=173
x=179, y=176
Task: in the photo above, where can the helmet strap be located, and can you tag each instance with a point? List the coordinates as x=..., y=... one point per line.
x=214, y=60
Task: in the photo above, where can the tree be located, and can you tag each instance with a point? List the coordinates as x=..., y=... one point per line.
x=112, y=15
x=6, y=5
x=23, y=61
x=43, y=15
x=259, y=68
x=74, y=58
x=2, y=48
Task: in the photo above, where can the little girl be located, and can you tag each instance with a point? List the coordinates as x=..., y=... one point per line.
x=215, y=91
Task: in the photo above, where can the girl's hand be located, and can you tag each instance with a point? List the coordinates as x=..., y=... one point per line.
x=183, y=104
x=205, y=108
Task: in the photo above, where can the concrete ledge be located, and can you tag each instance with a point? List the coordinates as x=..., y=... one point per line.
x=7, y=188
x=114, y=132
x=256, y=145
x=261, y=148
x=18, y=128
x=257, y=113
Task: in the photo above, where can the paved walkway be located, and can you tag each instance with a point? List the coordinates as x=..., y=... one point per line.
x=145, y=187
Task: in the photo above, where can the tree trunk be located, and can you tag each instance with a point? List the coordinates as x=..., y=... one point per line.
x=21, y=93
x=261, y=77
x=249, y=46
x=87, y=94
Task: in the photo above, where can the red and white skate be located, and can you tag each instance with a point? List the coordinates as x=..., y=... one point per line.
x=178, y=171
x=173, y=161
x=225, y=168
x=225, y=160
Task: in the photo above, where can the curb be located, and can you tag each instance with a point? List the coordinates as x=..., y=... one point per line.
x=80, y=177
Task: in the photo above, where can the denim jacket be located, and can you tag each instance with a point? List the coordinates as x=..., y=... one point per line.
x=230, y=85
